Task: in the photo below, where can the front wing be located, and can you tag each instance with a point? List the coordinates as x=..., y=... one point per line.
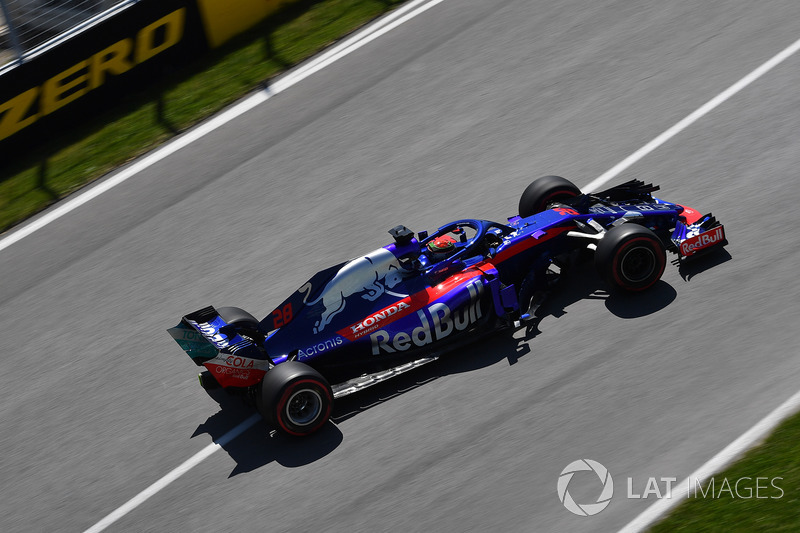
x=697, y=238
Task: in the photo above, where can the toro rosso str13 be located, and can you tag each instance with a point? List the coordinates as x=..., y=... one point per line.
x=402, y=305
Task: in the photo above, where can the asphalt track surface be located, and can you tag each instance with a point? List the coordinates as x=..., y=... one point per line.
x=448, y=116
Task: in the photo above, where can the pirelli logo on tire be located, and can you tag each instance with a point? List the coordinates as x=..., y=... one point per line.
x=91, y=72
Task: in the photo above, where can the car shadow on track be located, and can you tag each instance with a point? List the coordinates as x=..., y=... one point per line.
x=581, y=283
x=259, y=445
x=698, y=266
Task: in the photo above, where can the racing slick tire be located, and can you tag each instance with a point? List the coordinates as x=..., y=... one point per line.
x=295, y=399
x=543, y=191
x=239, y=317
x=630, y=257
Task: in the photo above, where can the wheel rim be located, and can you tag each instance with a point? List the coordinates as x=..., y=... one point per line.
x=638, y=264
x=304, y=407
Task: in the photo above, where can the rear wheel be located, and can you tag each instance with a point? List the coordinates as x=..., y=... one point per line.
x=239, y=317
x=544, y=191
x=630, y=257
x=295, y=399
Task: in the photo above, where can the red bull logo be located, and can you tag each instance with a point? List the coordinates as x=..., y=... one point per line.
x=437, y=322
x=704, y=240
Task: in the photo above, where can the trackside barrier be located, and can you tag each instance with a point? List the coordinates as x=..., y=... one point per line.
x=27, y=24
x=223, y=19
x=98, y=66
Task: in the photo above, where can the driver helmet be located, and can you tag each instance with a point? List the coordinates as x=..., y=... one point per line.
x=441, y=247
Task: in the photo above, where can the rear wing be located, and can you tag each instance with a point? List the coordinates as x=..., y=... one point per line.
x=698, y=238
x=193, y=343
x=203, y=335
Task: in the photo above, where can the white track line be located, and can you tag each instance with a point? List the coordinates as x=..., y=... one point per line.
x=715, y=464
x=348, y=46
x=369, y=34
x=690, y=119
x=187, y=465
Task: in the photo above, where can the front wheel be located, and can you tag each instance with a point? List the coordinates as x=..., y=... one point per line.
x=544, y=191
x=630, y=257
x=295, y=399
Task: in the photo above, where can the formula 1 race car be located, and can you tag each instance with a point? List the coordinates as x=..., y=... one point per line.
x=401, y=306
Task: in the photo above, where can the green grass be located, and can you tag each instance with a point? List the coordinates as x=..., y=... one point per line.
x=62, y=164
x=777, y=457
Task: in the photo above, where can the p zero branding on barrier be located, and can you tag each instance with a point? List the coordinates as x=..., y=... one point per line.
x=94, y=68
x=90, y=73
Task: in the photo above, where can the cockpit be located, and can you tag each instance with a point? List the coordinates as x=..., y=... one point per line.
x=459, y=244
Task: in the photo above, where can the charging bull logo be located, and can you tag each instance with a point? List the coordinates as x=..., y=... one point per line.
x=368, y=276
x=442, y=323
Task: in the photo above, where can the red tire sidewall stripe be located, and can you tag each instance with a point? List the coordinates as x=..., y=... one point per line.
x=285, y=398
x=621, y=251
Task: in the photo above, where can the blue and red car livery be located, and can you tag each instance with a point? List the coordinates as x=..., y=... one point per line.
x=402, y=305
